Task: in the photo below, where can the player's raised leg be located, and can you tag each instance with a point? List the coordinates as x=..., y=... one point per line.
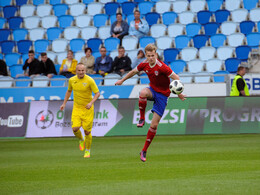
x=150, y=135
x=144, y=94
x=78, y=134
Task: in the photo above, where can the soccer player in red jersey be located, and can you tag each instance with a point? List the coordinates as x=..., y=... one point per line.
x=159, y=75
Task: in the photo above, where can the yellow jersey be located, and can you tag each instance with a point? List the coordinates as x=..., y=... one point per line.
x=82, y=89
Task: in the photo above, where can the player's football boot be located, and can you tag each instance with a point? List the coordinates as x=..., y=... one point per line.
x=141, y=123
x=82, y=145
x=143, y=156
x=87, y=154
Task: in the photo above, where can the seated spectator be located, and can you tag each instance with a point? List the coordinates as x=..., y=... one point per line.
x=35, y=68
x=139, y=58
x=3, y=68
x=122, y=63
x=88, y=61
x=103, y=64
x=119, y=28
x=68, y=66
x=138, y=27
x=48, y=68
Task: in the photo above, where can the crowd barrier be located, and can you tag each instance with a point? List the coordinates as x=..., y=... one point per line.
x=118, y=117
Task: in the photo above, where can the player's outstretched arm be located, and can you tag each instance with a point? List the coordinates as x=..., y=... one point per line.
x=127, y=76
x=182, y=96
x=66, y=98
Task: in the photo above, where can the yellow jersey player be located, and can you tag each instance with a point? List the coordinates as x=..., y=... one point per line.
x=83, y=106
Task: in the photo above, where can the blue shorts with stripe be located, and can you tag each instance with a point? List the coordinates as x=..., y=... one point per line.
x=160, y=102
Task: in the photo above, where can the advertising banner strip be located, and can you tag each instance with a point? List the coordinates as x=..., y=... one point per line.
x=13, y=119
x=214, y=115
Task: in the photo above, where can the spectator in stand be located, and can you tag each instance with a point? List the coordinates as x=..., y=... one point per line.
x=139, y=58
x=48, y=68
x=35, y=68
x=3, y=68
x=103, y=64
x=122, y=63
x=138, y=27
x=68, y=66
x=88, y=61
x=119, y=28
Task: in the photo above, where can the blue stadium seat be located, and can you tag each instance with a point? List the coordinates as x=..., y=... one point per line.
x=250, y=4
x=1, y=56
x=23, y=81
x=128, y=7
x=220, y=78
x=57, y=67
x=6, y=81
x=178, y=66
x=7, y=46
x=94, y=44
x=112, y=18
x=193, y=29
x=97, y=78
x=200, y=41
x=242, y=52
x=152, y=18
x=4, y=3
x=2, y=22
x=111, y=78
x=9, y=11
x=90, y=1
x=221, y=15
x=246, y=27
x=24, y=46
x=20, y=34
x=182, y=41
x=16, y=69
x=145, y=7
x=20, y=2
x=253, y=40
x=65, y=21
x=121, y=1
x=143, y=41
x=15, y=22
x=12, y=58
x=111, y=8
x=231, y=64
x=4, y=34
x=41, y=45
x=111, y=43
x=100, y=20
x=204, y=16
x=139, y=1
x=170, y=55
x=60, y=9
x=58, y=81
x=54, y=33
x=169, y=18
x=55, y=2
x=217, y=40
x=38, y=2
x=211, y=28
x=77, y=44
x=214, y=5
x=130, y=17
x=40, y=81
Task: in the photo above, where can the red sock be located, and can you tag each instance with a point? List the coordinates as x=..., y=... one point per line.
x=150, y=135
x=142, y=106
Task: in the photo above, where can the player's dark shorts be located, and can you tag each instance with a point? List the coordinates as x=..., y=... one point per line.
x=160, y=102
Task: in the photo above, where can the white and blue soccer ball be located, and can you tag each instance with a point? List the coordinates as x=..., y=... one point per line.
x=176, y=87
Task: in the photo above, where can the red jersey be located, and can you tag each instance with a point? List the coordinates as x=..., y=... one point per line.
x=158, y=75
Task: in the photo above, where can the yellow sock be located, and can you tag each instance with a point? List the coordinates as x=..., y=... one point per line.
x=78, y=135
x=88, y=141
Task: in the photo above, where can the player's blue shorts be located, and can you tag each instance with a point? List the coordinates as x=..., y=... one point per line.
x=160, y=102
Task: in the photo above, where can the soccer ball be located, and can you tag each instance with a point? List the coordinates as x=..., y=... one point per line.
x=176, y=87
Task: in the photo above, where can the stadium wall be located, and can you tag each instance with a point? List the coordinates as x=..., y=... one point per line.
x=118, y=117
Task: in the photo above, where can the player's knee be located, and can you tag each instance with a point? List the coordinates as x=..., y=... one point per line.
x=75, y=128
x=87, y=132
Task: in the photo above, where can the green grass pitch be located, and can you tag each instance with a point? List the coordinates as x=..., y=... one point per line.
x=199, y=164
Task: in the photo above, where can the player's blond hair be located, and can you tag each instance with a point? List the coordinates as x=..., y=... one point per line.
x=150, y=47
